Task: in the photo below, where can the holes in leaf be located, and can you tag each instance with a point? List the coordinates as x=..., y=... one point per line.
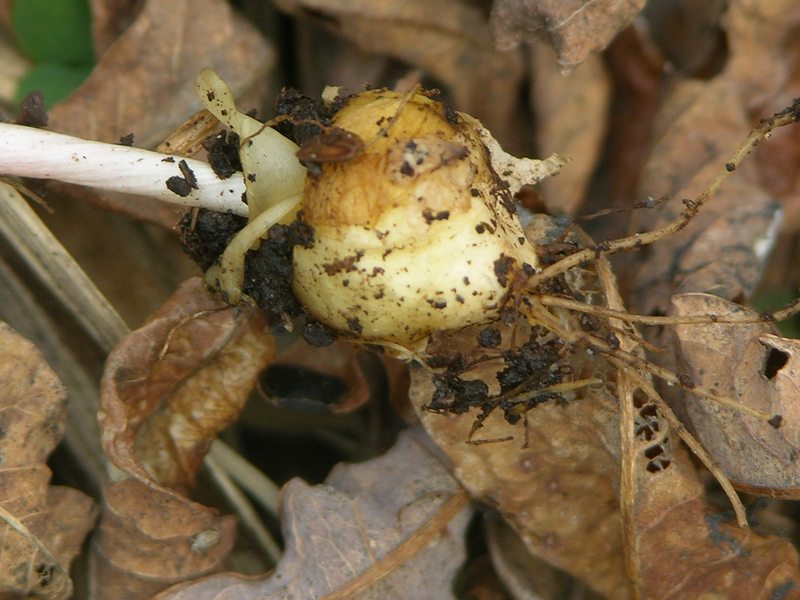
x=654, y=451
x=658, y=458
x=639, y=399
x=774, y=362
x=45, y=573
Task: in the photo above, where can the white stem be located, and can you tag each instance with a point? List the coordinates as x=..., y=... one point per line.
x=30, y=152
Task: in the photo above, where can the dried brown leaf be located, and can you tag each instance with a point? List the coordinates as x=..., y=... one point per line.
x=449, y=39
x=687, y=551
x=391, y=527
x=571, y=120
x=301, y=363
x=168, y=388
x=336, y=376
x=700, y=124
x=576, y=28
x=145, y=82
x=110, y=18
x=43, y=527
x=558, y=492
x=723, y=249
x=749, y=365
x=524, y=575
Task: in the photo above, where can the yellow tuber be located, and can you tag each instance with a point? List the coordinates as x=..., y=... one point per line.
x=414, y=231
x=417, y=233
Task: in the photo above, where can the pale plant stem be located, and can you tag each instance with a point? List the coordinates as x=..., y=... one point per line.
x=31, y=152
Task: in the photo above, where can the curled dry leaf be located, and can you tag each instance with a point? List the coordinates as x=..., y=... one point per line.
x=748, y=363
x=42, y=527
x=334, y=376
x=576, y=28
x=144, y=83
x=449, y=39
x=330, y=376
x=168, y=388
x=392, y=527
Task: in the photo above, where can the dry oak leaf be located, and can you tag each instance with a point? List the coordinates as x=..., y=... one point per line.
x=391, y=527
x=42, y=527
x=167, y=390
x=751, y=365
x=144, y=83
x=448, y=39
x=576, y=28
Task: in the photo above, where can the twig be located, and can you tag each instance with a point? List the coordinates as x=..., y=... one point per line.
x=31, y=152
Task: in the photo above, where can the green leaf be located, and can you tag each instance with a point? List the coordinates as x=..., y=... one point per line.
x=55, y=81
x=54, y=31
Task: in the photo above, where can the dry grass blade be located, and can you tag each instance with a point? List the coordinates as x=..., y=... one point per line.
x=57, y=270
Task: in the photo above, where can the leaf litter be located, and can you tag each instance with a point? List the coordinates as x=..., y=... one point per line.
x=390, y=527
x=558, y=481
x=168, y=389
x=43, y=526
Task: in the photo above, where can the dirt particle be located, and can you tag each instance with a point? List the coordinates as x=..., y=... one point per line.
x=206, y=234
x=223, y=153
x=776, y=421
x=126, y=140
x=355, y=326
x=188, y=174
x=269, y=271
x=346, y=264
x=450, y=114
x=502, y=267
x=179, y=186
x=32, y=110
x=429, y=216
x=316, y=334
